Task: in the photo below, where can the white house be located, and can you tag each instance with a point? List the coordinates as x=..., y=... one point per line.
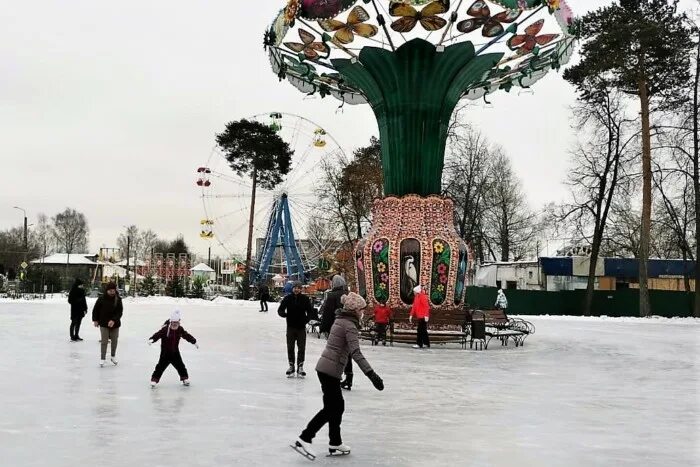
x=202, y=270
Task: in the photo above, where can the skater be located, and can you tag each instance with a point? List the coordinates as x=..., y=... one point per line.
x=78, y=308
x=264, y=296
x=343, y=344
x=332, y=303
x=382, y=316
x=169, y=336
x=297, y=309
x=107, y=314
x=501, y=300
x=330, y=307
x=421, y=311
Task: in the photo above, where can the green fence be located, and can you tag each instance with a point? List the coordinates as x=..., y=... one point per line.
x=570, y=302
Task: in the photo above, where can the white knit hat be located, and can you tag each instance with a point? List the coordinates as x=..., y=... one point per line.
x=175, y=316
x=417, y=288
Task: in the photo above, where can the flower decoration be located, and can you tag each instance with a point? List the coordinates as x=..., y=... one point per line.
x=378, y=245
x=481, y=16
x=439, y=247
x=385, y=277
x=427, y=17
x=524, y=44
x=291, y=11
x=345, y=32
x=441, y=288
x=308, y=47
x=381, y=267
x=441, y=269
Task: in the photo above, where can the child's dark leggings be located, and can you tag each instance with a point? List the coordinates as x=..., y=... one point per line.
x=166, y=358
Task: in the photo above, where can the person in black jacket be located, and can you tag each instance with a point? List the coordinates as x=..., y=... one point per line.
x=329, y=308
x=298, y=310
x=107, y=314
x=78, y=308
x=264, y=296
x=169, y=336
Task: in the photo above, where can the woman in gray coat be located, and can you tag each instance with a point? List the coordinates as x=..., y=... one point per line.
x=343, y=343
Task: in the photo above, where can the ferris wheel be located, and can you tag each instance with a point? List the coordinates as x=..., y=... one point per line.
x=226, y=199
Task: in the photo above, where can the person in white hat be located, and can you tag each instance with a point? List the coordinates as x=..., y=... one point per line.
x=169, y=336
x=421, y=311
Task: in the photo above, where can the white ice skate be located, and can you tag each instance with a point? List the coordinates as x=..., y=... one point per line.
x=339, y=450
x=153, y=384
x=114, y=360
x=102, y=362
x=185, y=382
x=303, y=448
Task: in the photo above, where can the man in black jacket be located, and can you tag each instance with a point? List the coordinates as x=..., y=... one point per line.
x=107, y=315
x=297, y=308
x=78, y=308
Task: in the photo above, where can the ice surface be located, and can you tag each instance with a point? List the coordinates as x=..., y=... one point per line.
x=582, y=392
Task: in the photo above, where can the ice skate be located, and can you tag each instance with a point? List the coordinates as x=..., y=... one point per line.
x=102, y=363
x=290, y=371
x=153, y=384
x=185, y=382
x=300, y=371
x=339, y=450
x=114, y=360
x=303, y=448
x=416, y=346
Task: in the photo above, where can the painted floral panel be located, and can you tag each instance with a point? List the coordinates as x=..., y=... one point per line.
x=441, y=271
x=380, y=269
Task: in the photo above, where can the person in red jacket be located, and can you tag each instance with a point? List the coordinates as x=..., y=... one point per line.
x=169, y=336
x=382, y=315
x=421, y=311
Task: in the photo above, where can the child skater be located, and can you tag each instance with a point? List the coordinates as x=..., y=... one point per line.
x=382, y=315
x=169, y=336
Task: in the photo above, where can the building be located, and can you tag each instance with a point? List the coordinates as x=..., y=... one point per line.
x=571, y=273
x=202, y=270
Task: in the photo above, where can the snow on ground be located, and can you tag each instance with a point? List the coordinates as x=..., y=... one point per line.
x=583, y=391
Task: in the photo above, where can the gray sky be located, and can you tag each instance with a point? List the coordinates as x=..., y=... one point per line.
x=109, y=107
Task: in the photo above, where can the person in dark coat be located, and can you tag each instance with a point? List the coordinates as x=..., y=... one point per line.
x=78, y=308
x=169, y=336
x=107, y=315
x=297, y=309
x=343, y=344
x=264, y=296
x=328, y=311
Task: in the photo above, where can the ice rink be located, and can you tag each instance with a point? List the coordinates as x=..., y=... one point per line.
x=582, y=392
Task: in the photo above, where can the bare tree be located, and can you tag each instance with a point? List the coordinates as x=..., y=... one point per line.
x=509, y=222
x=147, y=242
x=70, y=231
x=600, y=163
x=467, y=178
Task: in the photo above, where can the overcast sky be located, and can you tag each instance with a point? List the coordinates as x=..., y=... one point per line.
x=109, y=107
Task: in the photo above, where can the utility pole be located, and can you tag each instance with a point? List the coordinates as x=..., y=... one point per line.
x=128, y=247
x=25, y=242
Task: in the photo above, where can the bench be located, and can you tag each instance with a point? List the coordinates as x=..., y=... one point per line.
x=489, y=324
x=444, y=327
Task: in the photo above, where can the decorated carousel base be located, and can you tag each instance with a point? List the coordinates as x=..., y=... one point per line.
x=412, y=241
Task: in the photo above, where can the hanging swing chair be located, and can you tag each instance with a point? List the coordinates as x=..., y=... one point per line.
x=319, y=137
x=206, y=229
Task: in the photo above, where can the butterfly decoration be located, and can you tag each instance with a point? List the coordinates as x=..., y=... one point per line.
x=291, y=11
x=308, y=47
x=345, y=32
x=481, y=16
x=323, y=9
x=524, y=44
x=427, y=17
x=553, y=5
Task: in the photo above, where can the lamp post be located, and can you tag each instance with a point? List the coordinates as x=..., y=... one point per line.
x=25, y=226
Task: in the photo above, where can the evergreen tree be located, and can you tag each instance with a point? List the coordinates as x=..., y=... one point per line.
x=149, y=286
x=641, y=48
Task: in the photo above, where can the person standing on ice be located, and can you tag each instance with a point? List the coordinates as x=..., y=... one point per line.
x=78, y=308
x=297, y=309
x=264, y=296
x=169, y=336
x=343, y=344
x=331, y=305
x=107, y=314
x=501, y=300
x=421, y=311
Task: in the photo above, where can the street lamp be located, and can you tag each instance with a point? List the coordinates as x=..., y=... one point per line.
x=25, y=226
